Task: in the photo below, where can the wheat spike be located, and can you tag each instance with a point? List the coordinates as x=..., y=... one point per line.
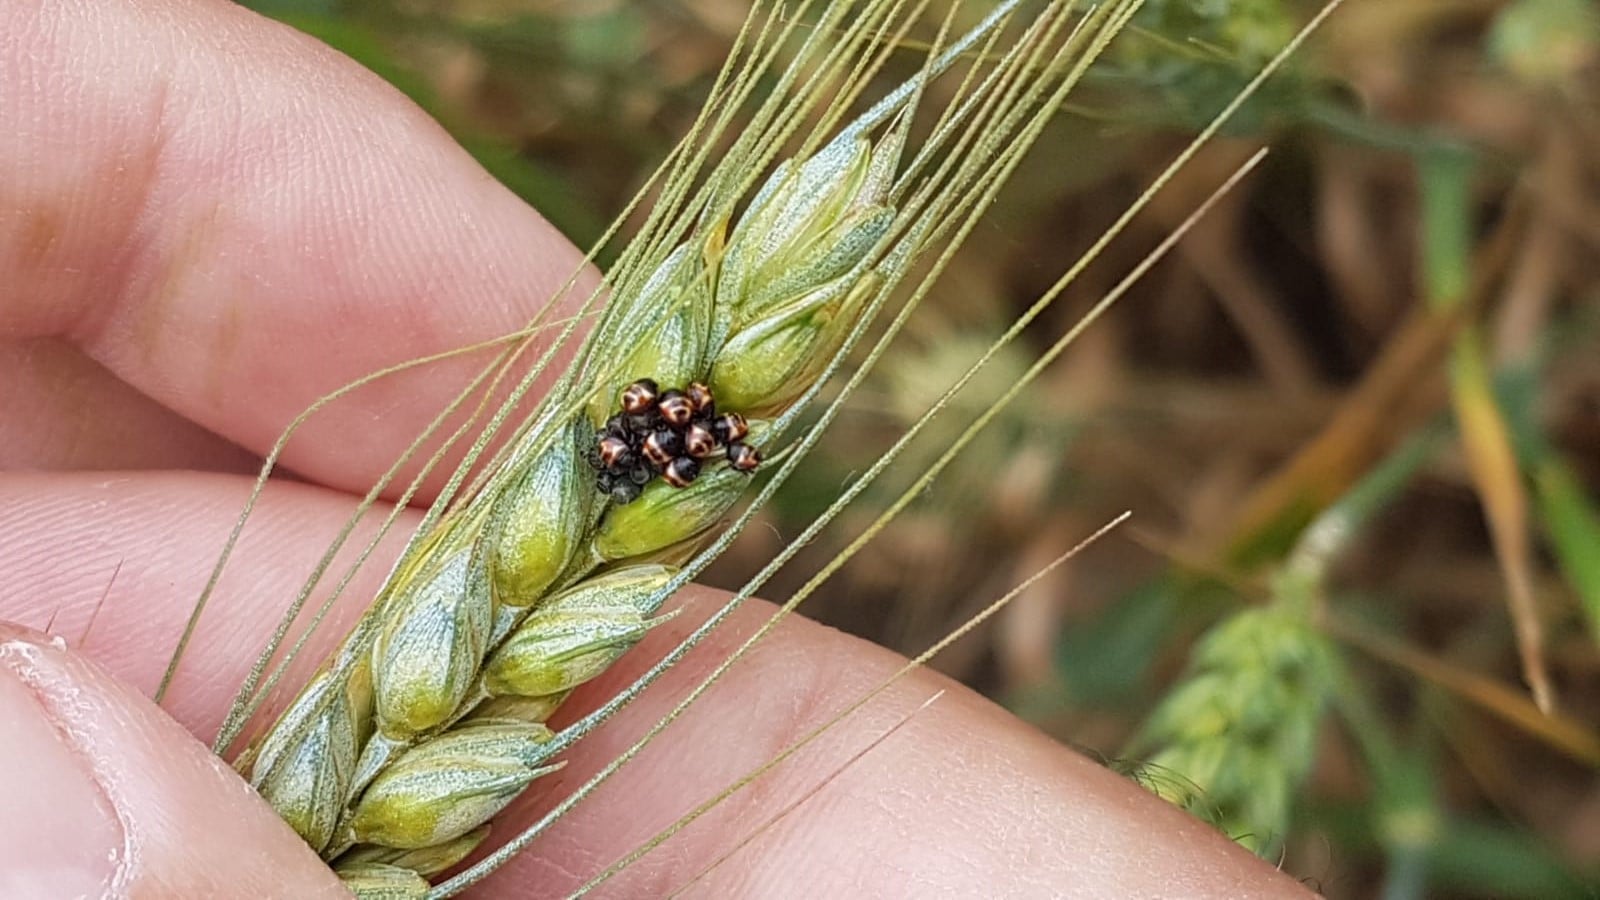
x=428, y=719
x=1241, y=729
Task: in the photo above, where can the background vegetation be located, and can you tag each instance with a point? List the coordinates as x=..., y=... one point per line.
x=1356, y=621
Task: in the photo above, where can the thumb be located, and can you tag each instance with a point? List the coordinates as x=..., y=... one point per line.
x=104, y=796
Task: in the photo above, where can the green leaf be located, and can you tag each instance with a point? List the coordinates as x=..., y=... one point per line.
x=1572, y=521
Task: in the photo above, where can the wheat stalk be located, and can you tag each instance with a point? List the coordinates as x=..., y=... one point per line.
x=427, y=721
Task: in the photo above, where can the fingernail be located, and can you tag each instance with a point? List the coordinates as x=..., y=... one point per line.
x=59, y=833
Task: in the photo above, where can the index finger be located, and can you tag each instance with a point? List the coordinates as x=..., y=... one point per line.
x=236, y=220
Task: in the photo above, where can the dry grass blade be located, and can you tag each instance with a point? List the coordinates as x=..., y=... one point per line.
x=1384, y=403
x=1494, y=467
x=1573, y=739
x=1485, y=436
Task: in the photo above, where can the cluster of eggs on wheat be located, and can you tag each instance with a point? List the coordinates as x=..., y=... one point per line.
x=667, y=433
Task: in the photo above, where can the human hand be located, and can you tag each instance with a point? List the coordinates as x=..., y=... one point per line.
x=208, y=220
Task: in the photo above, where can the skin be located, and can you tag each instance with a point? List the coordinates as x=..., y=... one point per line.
x=206, y=221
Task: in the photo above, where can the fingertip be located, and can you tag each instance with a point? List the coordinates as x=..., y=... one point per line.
x=106, y=796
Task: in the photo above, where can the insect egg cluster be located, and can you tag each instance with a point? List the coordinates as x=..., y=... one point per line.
x=667, y=433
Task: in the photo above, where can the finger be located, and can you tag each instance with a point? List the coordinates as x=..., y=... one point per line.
x=959, y=799
x=66, y=411
x=115, y=564
x=236, y=220
x=106, y=796
x=952, y=801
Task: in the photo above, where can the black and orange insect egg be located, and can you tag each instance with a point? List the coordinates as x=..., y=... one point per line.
x=662, y=446
x=730, y=428
x=640, y=396
x=698, y=441
x=681, y=471
x=614, y=451
x=675, y=408
x=700, y=396
x=743, y=457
